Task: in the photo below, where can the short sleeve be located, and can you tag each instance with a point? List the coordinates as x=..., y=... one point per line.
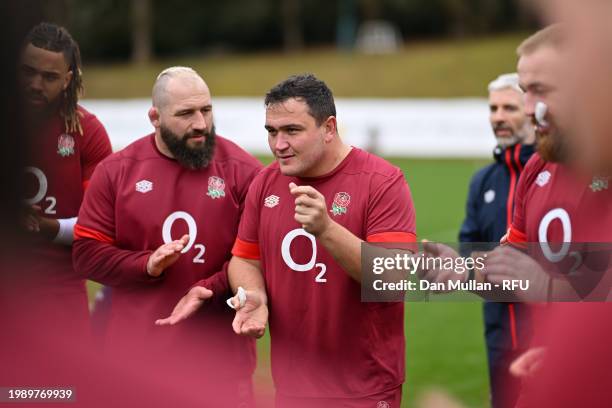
x=391, y=215
x=246, y=244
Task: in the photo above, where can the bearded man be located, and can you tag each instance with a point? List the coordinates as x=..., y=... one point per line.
x=159, y=217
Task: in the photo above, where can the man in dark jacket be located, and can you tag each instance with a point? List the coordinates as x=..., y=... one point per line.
x=488, y=216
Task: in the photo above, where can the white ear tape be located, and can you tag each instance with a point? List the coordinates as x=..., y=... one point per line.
x=541, y=109
x=241, y=298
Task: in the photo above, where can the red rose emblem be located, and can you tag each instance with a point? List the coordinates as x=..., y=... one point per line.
x=216, y=183
x=342, y=200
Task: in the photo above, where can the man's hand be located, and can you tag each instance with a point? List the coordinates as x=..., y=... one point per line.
x=435, y=275
x=310, y=209
x=187, y=306
x=252, y=317
x=435, y=398
x=528, y=363
x=506, y=263
x=165, y=256
x=31, y=218
x=34, y=221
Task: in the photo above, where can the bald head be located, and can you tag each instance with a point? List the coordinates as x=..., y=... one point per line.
x=182, y=116
x=175, y=83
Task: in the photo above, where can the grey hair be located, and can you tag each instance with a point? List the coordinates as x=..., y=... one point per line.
x=505, y=81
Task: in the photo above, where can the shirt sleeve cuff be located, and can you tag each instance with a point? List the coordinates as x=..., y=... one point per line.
x=515, y=238
x=247, y=250
x=405, y=237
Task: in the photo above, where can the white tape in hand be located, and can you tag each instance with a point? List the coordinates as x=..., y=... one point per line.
x=241, y=298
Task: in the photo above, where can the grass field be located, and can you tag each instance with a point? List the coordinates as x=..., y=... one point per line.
x=423, y=69
x=445, y=346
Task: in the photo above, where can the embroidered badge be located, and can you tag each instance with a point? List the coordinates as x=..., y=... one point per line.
x=65, y=145
x=543, y=178
x=340, y=204
x=216, y=187
x=599, y=184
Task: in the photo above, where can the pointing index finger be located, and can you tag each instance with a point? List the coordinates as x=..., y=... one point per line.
x=307, y=190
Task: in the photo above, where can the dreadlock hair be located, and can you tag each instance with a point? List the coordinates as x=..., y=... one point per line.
x=52, y=37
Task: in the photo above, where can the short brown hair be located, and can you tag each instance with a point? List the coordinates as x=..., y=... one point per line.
x=552, y=36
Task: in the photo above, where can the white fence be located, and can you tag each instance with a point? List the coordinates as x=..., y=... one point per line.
x=403, y=127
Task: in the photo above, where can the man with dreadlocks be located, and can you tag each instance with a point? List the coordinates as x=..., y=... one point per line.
x=69, y=142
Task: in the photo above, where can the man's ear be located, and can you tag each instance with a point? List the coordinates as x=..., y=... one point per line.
x=67, y=80
x=154, y=117
x=331, y=129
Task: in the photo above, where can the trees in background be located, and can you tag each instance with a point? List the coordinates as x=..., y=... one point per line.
x=138, y=29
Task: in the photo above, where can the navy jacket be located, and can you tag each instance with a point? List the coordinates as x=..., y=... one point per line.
x=491, y=197
x=489, y=211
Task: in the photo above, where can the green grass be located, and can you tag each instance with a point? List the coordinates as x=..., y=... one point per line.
x=445, y=344
x=424, y=69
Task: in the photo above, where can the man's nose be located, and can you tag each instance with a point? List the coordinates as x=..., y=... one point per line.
x=498, y=117
x=281, y=142
x=200, y=122
x=35, y=83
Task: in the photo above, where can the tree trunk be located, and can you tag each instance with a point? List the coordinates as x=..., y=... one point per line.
x=293, y=38
x=141, y=31
x=371, y=9
x=459, y=12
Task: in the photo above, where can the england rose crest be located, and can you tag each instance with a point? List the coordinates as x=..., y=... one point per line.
x=340, y=204
x=216, y=187
x=65, y=145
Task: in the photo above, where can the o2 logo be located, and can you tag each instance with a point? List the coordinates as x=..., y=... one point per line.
x=312, y=263
x=192, y=231
x=43, y=186
x=566, y=224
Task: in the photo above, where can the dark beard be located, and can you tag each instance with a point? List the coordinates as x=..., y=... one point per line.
x=39, y=115
x=196, y=158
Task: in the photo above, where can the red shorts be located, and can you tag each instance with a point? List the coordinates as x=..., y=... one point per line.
x=387, y=399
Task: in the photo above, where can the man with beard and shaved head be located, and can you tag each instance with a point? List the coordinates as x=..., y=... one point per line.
x=573, y=370
x=160, y=217
x=558, y=204
x=190, y=143
x=559, y=207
